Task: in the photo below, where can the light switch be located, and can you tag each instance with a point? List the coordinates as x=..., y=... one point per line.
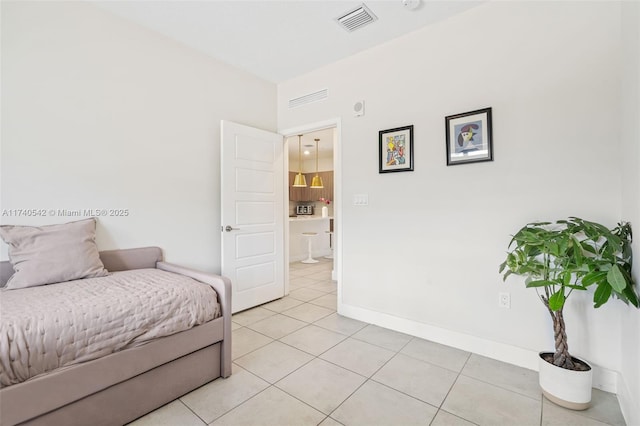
x=361, y=200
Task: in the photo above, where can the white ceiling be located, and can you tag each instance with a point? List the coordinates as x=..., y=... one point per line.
x=279, y=40
x=325, y=144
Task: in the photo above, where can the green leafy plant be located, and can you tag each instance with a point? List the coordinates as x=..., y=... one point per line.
x=568, y=255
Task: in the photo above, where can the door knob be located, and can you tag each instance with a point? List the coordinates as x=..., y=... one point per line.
x=229, y=228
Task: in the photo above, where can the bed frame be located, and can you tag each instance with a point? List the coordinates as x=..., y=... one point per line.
x=125, y=385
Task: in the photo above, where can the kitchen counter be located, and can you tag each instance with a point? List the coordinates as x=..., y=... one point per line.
x=307, y=218
x=298, y=244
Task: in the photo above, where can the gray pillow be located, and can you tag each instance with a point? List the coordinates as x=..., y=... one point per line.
x=51, y=254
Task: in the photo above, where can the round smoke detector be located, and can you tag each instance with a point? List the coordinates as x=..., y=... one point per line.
x=411, y=4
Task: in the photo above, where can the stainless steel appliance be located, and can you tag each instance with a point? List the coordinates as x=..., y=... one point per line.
x=304, y=209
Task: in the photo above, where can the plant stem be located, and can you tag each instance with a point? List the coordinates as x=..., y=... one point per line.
x=561, y=357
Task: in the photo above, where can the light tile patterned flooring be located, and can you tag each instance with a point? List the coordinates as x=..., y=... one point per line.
x=297, y=362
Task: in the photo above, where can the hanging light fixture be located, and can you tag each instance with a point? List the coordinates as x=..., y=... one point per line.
x=300, y=181
x=316, y=182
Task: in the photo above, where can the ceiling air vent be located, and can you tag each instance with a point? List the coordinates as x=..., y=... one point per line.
x=308, y=98
x=356, y=18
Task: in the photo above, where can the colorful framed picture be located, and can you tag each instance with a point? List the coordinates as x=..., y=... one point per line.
x=396, y=150
x=469, y=138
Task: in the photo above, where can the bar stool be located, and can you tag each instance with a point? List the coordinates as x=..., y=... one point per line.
x=330, y=232
x=309, y=236
x=330, y=244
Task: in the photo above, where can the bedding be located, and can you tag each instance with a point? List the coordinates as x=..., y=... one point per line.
x=54, y=253
x=58, y=325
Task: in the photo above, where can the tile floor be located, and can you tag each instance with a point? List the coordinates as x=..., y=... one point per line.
x=297, y=362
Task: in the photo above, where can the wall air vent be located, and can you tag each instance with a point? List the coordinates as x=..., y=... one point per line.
x=356, y=18
x=308, y=98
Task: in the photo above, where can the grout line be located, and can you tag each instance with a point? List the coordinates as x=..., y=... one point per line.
x=403, y=393
x=502, y=387
x=340, y=332
x=298, y=399
x=371, y=379
x=383, y=365
x=243, y=402
x=189, y=408
x=347, y=398
x=451, y=414
x=314, y=355
x=253, y=350
x=375, y=344
x=310, y=323
x=317, y=357
x=270, y=385
x=458, y=374
x=246, y=400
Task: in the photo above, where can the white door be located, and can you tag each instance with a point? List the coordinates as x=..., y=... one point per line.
x=252, y=188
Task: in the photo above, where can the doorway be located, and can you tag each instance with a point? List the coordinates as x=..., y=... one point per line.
x=314, y=211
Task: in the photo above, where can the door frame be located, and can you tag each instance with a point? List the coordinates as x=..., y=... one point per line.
x=337, y=194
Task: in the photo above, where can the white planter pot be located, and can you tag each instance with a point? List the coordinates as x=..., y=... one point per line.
x=567, y=388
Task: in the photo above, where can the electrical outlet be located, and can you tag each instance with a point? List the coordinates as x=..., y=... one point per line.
x=504, y=300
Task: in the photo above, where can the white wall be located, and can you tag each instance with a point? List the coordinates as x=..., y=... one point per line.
x=100, y=113
x=423, y=256
x=629, y=392
x=325, y=164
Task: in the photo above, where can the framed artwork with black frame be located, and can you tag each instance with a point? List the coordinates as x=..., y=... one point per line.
x=469, y=137
x=396, y=149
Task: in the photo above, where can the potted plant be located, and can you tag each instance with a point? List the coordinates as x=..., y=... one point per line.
x=558, y=259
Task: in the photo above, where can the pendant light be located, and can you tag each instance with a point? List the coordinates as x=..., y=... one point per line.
x=300, y=181
x=316, y=182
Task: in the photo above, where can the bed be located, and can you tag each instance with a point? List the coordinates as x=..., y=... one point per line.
x=121, y=386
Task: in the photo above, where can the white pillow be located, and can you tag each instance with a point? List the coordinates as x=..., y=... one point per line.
x=51, y=254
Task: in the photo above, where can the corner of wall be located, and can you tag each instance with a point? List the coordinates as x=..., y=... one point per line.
x=629, y=377
x=629, y=405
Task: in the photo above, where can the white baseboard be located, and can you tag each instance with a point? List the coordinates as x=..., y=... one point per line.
x=603, y=379
x=629, y=405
